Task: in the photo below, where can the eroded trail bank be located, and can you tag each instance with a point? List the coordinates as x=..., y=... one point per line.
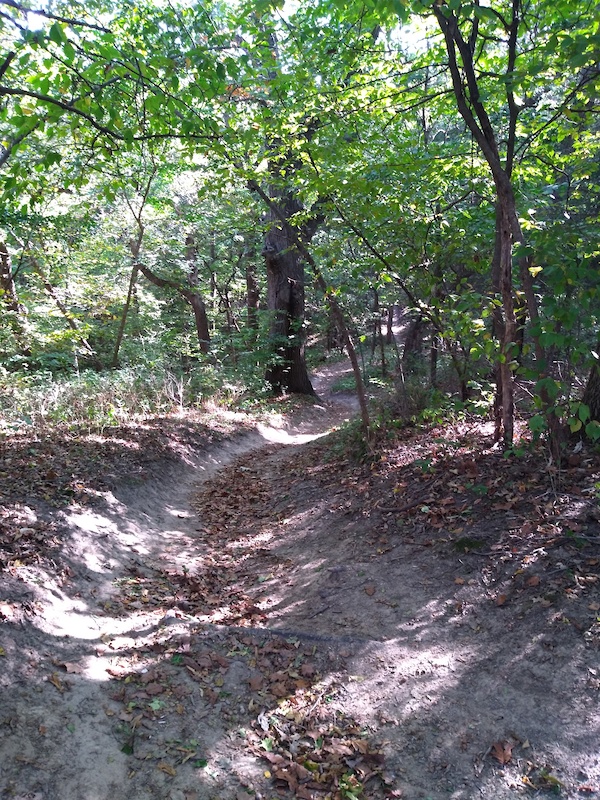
x=266, y=616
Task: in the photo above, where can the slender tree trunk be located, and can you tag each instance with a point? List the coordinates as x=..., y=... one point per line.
x=135, y=245
x=433, y=360
x=252, y=299
x=124, y=314
x=10, y=298
x=510, y=324
x=389, y=329
x=201, y=320
x=382, y=351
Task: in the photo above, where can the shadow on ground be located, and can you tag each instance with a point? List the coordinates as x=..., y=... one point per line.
x=287, y=638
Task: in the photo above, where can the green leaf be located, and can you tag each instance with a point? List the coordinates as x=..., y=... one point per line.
x=537, y=424
x=56, y=34
x=484, y=12
x=592, y=430
x=583, y=412
x=69, y=52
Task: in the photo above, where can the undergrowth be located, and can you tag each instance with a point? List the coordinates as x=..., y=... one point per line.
x=97, y=399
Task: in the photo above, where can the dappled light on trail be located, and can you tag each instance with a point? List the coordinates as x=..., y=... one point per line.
x=281, y=619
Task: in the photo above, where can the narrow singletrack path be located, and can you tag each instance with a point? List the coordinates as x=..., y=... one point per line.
x=261, y=618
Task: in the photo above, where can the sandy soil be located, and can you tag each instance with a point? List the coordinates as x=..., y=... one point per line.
x=260, y=620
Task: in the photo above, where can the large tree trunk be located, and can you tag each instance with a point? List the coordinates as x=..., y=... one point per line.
x=285, y=285
x=331, y=301
x=194, y=297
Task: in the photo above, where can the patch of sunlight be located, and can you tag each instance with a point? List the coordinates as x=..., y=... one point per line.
x=262, y=538
x=418, y=678
x=106, y=438
x=181, y=513
x=278, y=436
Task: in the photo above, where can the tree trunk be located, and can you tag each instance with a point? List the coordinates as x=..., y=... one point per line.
x=252, y=299
x=124, y=314
x=194, y=297
x=135, y=247
x=389, y=330
x=433, y=360
x=413, y=342
x=285, y=285
x=8, y=291
x=503, y=231
x=330, y=300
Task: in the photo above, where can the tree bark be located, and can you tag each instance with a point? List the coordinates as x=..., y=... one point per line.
x=194, y=298
x=10, y=298
x=121, y=332
x=331, y=302
x=135, y=245
x=413, y=341
x=389, y=328
x=252, y=299
x=285, y=296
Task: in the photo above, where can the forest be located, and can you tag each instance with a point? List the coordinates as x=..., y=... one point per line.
x=299, y=399
x=196, y=199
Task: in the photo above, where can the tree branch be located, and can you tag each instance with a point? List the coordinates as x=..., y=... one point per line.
x=42, y=13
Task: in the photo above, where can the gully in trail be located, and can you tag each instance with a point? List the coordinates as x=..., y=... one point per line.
x=295, y=624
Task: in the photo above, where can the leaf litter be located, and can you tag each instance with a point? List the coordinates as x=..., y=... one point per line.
x=322, y=626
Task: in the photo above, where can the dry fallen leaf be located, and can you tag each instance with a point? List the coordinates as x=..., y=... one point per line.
x=167, y=769
x=56, y=682
x=533, y=581
x=501, y=599
x=370, y=589
x=502, y=751
x=459, y=581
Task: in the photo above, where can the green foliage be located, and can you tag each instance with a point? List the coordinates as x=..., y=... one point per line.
x=99, y=400
x=152, y=119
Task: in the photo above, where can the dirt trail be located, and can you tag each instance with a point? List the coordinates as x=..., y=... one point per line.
x=252, y=626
